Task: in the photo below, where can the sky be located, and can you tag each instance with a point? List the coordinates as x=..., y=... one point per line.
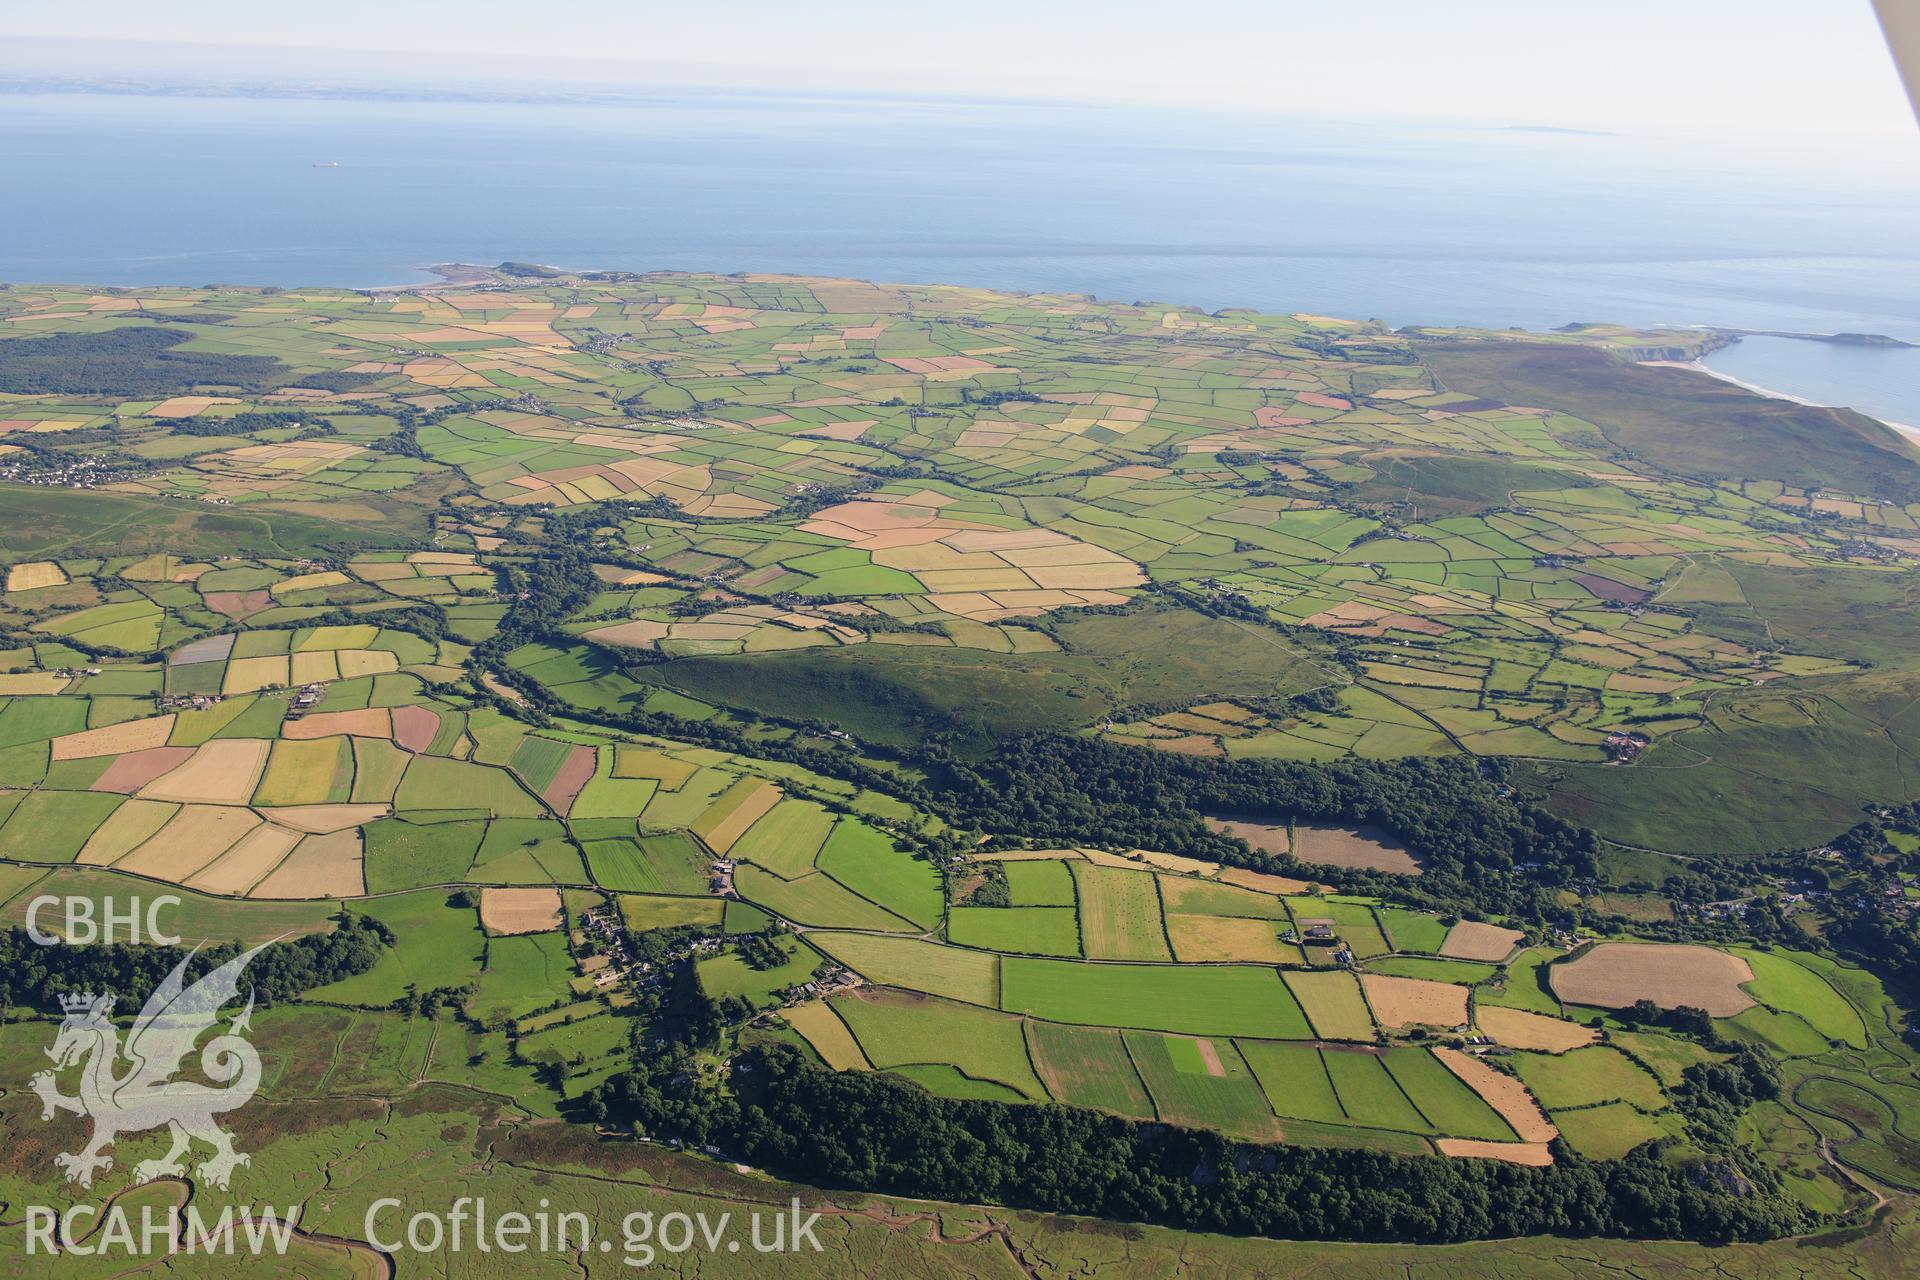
x=1798, y=70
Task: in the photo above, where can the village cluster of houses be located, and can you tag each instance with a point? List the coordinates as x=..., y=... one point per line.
x=74, y=473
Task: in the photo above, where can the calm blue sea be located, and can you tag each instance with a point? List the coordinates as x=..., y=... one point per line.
x=1883, y=382
x=1413, y=225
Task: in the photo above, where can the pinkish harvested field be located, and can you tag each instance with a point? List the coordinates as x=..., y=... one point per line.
x=511, y=911
x=641, y=633
x=205, y=649
x=575, y=772
x=136, y=769
x=1614, y=975
x=1367, y=848
x=414, y=727
x=1608, y=589
x=1472, y=940
x=238, y=604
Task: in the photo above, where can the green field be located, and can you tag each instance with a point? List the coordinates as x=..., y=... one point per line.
x=896, y=1029
x=1357, y=928
x=405, y=855
x=786, y=839
x=521, y=975
x=1448, y=1104
x=620, y=865
x=1412, y=930
x=527, y=851
x=868, y=863
x=1607, y=1132
x=1295, y=1080
x=1333, y=1005
x=728, y=975
x=1370, y=1094
x=816, y=899
x=950, y=1082
x=452, y=784
x=51, y=826
x=1039, y=884
x=1216, y=1000
x=1202, y=1084
x=1120, y=914
x=1667, y=1057
x=1088, y=1067
x=958, y=974
x=1780, y=983
x=1432, y=969
x=643, y=911
x=1526, y=985
x=1584, y=1077
x=1785, y=1035
x=436, y=945
x=1034, y=931
x=674, y=863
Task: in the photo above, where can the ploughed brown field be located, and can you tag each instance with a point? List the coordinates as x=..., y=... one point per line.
x=1616, y=974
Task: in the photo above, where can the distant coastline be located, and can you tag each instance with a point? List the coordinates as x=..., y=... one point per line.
x=466, y=274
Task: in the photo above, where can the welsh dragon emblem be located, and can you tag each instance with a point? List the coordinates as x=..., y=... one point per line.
x=144, y=1095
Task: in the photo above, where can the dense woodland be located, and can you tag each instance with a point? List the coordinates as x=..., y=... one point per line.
x=1469, y=827
x=873, y=1132
x=35, y=976
x=140, y=360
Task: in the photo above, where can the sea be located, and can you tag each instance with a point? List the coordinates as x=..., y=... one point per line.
x=1424, y=223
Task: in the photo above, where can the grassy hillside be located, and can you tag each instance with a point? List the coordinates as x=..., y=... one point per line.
x=1687, y=422
x=897, y=694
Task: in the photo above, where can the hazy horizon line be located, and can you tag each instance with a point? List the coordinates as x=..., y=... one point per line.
x=113, y=66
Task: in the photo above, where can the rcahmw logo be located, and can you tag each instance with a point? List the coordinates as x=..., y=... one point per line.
x=145, y=1096
x=87, y=1231
x=129, y=1088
